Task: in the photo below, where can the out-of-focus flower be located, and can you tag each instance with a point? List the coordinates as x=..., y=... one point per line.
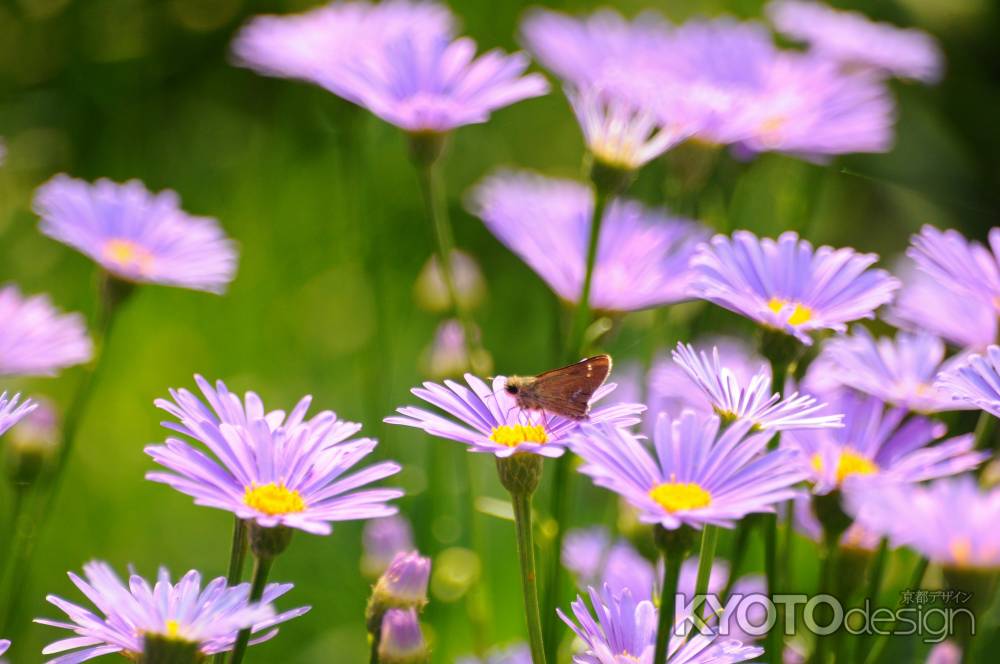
x=857, y=42
x=621, y=629
x=946, y=652
x=642, y=255
x=960, y=265
x=518, y=653
x=12, y=412
x=32, y=443
x=316, y=45
x=382, y=539
x=135, y=617
x=620, y=131
x=752, y=401
x=269, y=469
x=951, y=521
x=137, y=235
x=788, y=286
x=975, y=382
x=4, y=645
x=597, y=561
x=490, y=421
x=402, y=641
x=696, y=475
x=588, y=50
x=881, y=445
x=432, y=293
x=448, y=354
x=899, y=371
x=855, y=537
x=925, y=304
x=36, y=339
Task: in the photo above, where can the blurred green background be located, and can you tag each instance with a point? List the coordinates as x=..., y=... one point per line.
x=304, y=181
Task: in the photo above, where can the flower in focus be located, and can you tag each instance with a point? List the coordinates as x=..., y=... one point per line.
x=879, y=444
x=490, y=421
x=36, y=339
x=12, y=412
x=622, y=630
x=620, y=132
x=925, y=304
x=316, y=45
x=642, y=255
x=273, y=470
x=752, y=401
x=135, y=614
x=788, y=286
x=432, y=293
x=588, y=50
x=382, y=539
x=137, y=235
x=951, y=521
x=899, y=371
x=596, y=560
x=518, y=653
x=856, y=42
x=965, y=268
x=975, y=382
x=402, y=641
x=696, y=476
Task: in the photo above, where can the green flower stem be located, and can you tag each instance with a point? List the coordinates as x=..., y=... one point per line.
x=237, y=558
x=769, y=529
x=261, y=569
x=882, y=640
x=876, y=571
x=668, y=605
x=741, y=543
x=706, y=557
x=986, y=428
x=426, y=152
x=526, y=555
x=581, y=317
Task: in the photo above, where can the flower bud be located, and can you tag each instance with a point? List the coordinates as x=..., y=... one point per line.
x=448, y=356
x=403, y=586
x=382, y=539
x=402, y=641
x=32, y=443
x=431, y=291
x=520, y=473
x=269, y=543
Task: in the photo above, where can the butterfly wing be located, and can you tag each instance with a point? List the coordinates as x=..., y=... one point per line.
x=567, y=391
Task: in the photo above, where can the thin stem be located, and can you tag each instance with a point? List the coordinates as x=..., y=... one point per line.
x=706, y=557
x=883, y=638
x=986, y=427
x=739, y=552
x=373, y=654
x=769, y=530
x=828, y=553
x=432, y=186
x=526, y=555
x=237, y=557
x=668, y=605
x=875, y=573
x=581, y=317
x=261, y=568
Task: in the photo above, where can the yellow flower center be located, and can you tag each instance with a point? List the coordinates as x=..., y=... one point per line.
x=961, y=550
x=513, y=435
x=128, y=255
x=848, y=463
x=676, y=496
x=274, y=499
x=800, y=313
x=173, y=629
x=770, y=130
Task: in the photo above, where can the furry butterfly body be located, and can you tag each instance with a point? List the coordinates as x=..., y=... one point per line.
x=566, y=391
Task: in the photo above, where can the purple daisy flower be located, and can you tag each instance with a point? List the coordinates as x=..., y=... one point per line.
x=130, y=614
x=36, y=339
x=596, y=560
x=951, y=521
x=899, y=371
x=586, y=50
x=274, y=470
x=620, y=629
x=752, y=401
x=786, y=285
x=316, y=45
x=856, y=42
x=960, y=265
x=11, y=412
x=137, y=235
x=489, y=421
x=382, y=539
x=879, y=444
x=518, y=653
x=925, y=304
x=697, y=476
x=974, y=382
x=642, y=255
